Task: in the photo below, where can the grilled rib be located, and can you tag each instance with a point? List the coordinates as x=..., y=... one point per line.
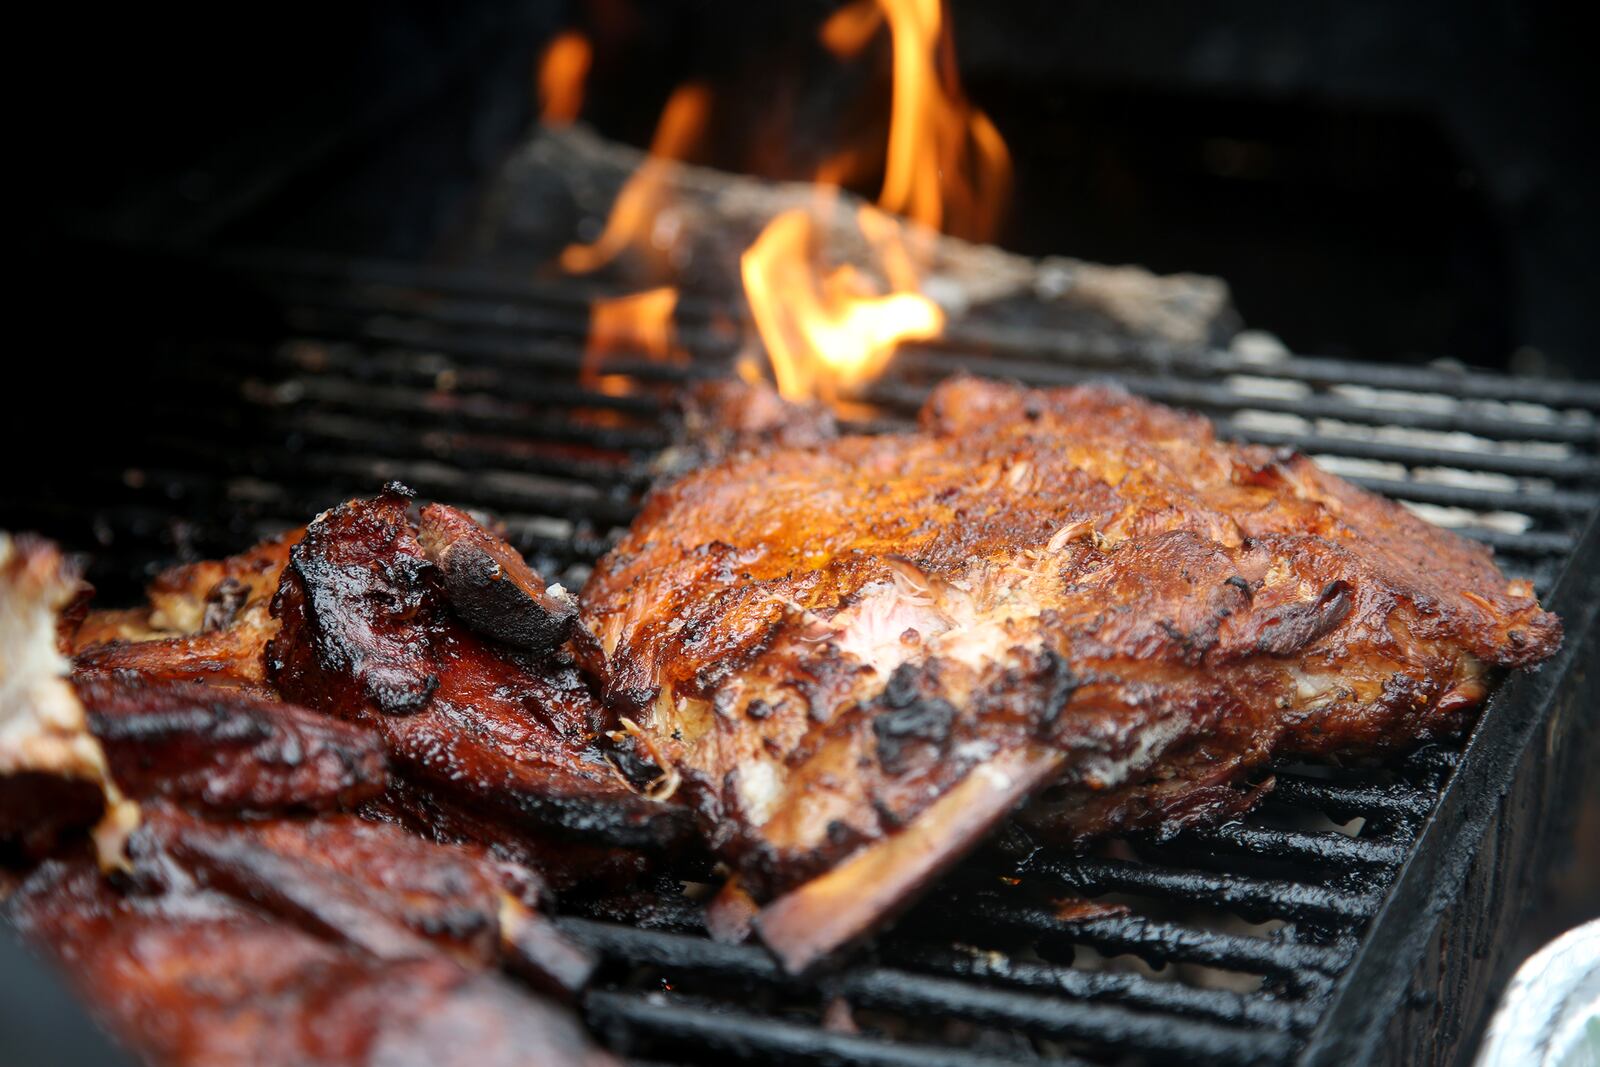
x=367, y=633
x=225, y=750
x=205, y=622
x=860, y=654
x=189, y=976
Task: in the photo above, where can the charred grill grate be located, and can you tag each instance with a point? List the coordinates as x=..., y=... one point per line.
x=1260, y=942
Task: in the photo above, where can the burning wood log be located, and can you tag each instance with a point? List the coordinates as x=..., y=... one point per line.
x=706, y=219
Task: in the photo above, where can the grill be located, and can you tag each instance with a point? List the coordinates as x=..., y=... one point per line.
x=1355, y=918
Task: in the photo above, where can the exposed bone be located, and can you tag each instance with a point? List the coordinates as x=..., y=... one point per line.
x=536, y=951
x=854, y=898
x=731, y=913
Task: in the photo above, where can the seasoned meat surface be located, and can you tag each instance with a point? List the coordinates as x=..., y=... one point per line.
x=367, y=633
x=205, y=622
x=490, y=586
x=226, y=750
x=189, y=976
x=839, y=644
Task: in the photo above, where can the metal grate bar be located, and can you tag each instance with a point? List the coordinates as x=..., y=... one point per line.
x=403, y=286
x=1345, y=801
x=1570, y=468
x=1054, y=1017
x=1533, y=502
x=1133, y=990
x=1149, y=939
x=1250, y=896
x=699, y=1028
x=900, y=990
x=1334, y=850
x=1207, y=396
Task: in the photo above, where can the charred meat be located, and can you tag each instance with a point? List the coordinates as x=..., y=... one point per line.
x=205, y=622
x=368, y=633
x=861, y=653
x=228, y=751
x=188, y=975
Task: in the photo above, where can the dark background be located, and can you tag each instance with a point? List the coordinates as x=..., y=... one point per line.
x=1389, y=181
x=1374, y=179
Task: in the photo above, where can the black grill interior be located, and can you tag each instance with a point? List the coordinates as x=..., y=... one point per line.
x=295, y=383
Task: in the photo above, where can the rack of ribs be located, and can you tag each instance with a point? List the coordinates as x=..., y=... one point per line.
x=860, y=654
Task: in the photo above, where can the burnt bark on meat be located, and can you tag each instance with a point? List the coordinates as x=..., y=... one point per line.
x=206, y=622
x=188, y=977
x=490, y=586
x=1070, y=595
x=226, y=750
x=367, y=634
x=560, y=863
x=391, y=894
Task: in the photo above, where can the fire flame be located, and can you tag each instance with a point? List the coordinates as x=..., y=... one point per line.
x=562, y=70
x=827, y=333
x=636, y=210
x=947, y=166
x=639, y=324
x=826, y=330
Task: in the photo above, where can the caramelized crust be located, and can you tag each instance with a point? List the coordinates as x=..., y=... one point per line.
x=224, y=750
x=206, y=622
x=490, y=586
x=383, y=890
x=186, y=976
x=368, y=635
x=825, y=640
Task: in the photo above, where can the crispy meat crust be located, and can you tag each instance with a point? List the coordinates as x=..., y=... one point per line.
x=187, y=976
x=389, y=893
x=825, y=640
x=206, y=622
x=490, y=586
x=225, y=750
x=366, y=633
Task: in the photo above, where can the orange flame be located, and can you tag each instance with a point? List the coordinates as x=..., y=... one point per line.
x=947, y=166
x=635, y=211
x=640, y=325
x=562, y=70
x=828, y=333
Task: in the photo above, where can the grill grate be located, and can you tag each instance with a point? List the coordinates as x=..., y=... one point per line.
x=1234, y=944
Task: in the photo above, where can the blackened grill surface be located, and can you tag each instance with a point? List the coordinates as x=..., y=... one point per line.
x=1289, y=936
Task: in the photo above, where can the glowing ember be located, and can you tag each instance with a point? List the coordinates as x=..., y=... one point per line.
x=827, y=332
x=637, y=209
x=562, y=70
x=947, y=166
x=639, y=326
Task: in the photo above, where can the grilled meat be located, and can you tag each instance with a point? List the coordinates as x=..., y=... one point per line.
x=367, y=633
x=225, y=750
x=53, y=773
x=862, y=653
x=386, y=891
x=205, y=622
x=490, y=586
x=189, y=976
x=297, y=940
